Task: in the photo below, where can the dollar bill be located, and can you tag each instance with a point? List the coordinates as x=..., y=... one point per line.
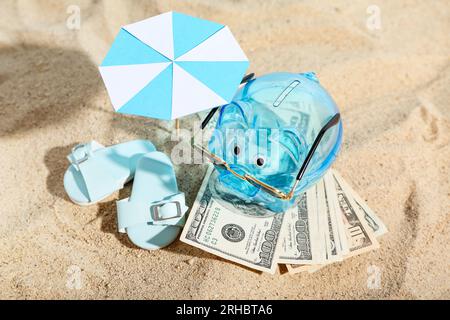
x=374, y=222
x=230, y=233
x=330, y=223
x=299, y=232
x=322, y=227
x=328, y=210
x=332, y=197
x=349, y=226
x=324, y=245
x=360, y=237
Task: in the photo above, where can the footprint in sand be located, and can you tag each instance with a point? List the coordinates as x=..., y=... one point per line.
x=432, y=131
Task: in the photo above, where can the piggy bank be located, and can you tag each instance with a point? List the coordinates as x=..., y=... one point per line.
x=267, y=131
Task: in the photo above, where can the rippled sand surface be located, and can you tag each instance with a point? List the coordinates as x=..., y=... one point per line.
x=393, y=88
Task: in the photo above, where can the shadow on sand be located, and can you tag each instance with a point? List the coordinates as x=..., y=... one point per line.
x=43, y=86
x=47, y=86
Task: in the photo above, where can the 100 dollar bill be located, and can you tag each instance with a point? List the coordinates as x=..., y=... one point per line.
x=360, y=236
x=299, y=233
x=374, y=222
x=230, y=233
x=354, y=232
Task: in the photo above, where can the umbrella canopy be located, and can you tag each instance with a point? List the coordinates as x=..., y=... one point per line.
x=172, y=65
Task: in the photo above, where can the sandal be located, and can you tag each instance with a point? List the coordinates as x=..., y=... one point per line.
x=96, y=171
x=155, y=213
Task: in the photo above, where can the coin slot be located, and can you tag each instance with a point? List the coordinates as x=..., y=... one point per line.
x=285, y=93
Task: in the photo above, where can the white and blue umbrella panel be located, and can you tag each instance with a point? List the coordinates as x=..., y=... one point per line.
x=172, y=65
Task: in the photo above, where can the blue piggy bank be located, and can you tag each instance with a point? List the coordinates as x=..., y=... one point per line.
x=267, y=131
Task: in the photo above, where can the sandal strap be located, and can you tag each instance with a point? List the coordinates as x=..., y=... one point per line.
x=167, y=212
x=89, y=170
x=82, y=152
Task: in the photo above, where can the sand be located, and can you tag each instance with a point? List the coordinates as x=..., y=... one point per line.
x=393, y=88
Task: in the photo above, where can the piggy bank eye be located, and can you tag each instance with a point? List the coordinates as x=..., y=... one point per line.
x=237, y=150
x=260, y=161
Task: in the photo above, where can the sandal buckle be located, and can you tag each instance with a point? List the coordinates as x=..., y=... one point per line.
x=156, y=213
x=74, y=159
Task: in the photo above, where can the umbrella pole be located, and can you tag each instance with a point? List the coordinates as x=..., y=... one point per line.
x=177, y=127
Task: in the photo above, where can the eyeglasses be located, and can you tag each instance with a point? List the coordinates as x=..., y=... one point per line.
x=220, y=163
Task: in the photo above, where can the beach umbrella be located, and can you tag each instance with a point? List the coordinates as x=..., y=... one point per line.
x=172, y=65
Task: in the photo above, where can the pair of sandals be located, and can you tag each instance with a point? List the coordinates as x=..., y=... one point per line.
x=154, y=214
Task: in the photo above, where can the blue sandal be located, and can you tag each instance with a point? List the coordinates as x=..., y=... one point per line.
x=155, y=213
x=96, y=172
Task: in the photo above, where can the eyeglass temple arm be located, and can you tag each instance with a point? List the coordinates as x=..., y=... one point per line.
x=246, y=79
x=333, y=121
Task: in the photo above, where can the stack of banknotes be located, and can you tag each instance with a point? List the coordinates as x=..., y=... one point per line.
x=329, y=224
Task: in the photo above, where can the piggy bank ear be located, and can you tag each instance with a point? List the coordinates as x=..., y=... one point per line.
x=292, y=144
x=311, y=76
x=232, y=116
